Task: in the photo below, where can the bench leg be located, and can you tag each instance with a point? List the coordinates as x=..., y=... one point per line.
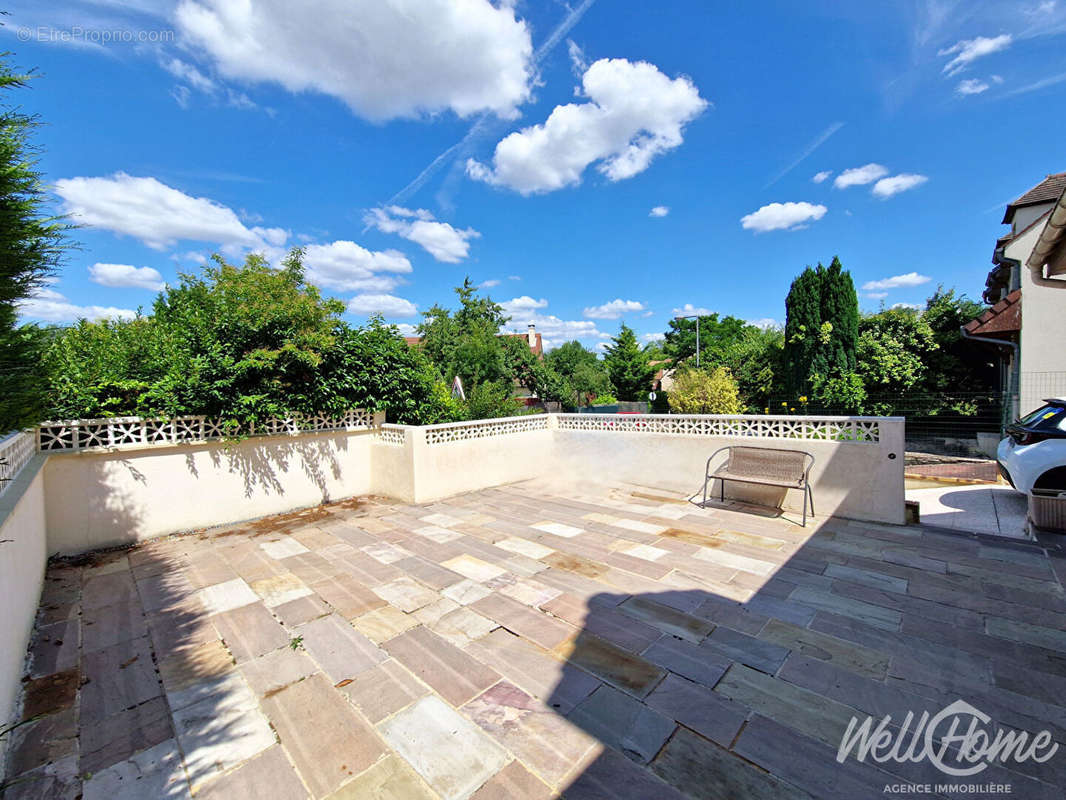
x=722, y=481
x=706, y=480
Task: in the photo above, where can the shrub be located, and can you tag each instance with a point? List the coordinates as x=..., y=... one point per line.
x=699, y=392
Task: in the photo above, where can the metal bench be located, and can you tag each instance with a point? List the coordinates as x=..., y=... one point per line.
x=764, y=466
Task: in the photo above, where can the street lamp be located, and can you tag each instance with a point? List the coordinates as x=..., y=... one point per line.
x=697, y=318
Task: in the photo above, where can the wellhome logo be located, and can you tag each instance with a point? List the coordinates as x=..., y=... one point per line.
x=956, y=740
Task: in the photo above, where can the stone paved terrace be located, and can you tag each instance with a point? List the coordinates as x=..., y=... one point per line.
x=515, y=643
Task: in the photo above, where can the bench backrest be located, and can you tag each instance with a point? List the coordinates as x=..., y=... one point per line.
x=764, y=462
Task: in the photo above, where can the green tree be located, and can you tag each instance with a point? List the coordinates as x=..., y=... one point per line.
x=716, y=337
x=32, y=244
x=698, y=391
x=536, y=374
x=840, y=308
x=584, y=374
x=957, y=362
x=628, y=369
x=895, y=347
x=755, y=361
x=821, y=326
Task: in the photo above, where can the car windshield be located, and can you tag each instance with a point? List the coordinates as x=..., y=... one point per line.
x=1046, y=417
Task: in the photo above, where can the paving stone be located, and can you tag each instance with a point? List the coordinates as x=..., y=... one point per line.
x=544, y=741
x=450, y=753
x=473, y=568
x=117, y=737
x=303, y=609
x=726, y=558
x=384, y=689
x=385, y=553
x=666, y=619
x=427, y=615
x=605, y=622
x=391, y=778
x=108, y=589
x=818, y=645
x=188, y=668
x=273, y=671
x=155, y=772
x=618, y=667
x=456, y=676
x=49, y=694
x=868, y=577
x=619, y=720
x=538, y=627
x=558, y=529
x=761, y=655
x=568, y=562
x=640, y=527
x=513, y=781
x=462, y=626
x=645, y=551
x=730, y=614
x=348, y=596
x=227, y=596
x=339, y=648
x=405, y=594
x=708, y=772
x=1037, y=635
x=268, y=774
x=57, y=780
x=48, y=739
x=612, y=776
x=164, y=590
x=432, y=575
x=118, y=677
x=108, y=625
x=250, y=631
x=690, y=660
x=283, y=548
x=384, y=623
x=54, y=648
x=466, y=592
x=436, y=533
x=184, y=625
x=524, y=547
x=529, y=592
x=220, y=731
x=697, y=707
x=280, y=589
x=443, y=520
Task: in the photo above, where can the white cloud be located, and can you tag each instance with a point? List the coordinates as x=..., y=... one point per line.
x=159, y=215
x=634, y=114
x=689, y=310
x=613, y=309
x=521, y=304
x=578, y=62
x=766, y=323
x=653, y=337
x=886, y=187
x=439, y=239
x=782, y=216
x=970, y=86
x=911, y=306
x=407, y=329
x=346, y=266
x=877, y=295
x=488, y=284
x=386, y=59
x=126, y=275
x=553, y=330
x=659, y=211
x=49, y=305
x=821, y=177
x=387, y=305
x=514, y=277
x=967, y=51
x=860, y=176
x=189, y=74
x=906, y=280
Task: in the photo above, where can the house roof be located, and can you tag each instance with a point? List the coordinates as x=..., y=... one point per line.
x=1004, y=318
x=1050, y=249
x=1047, y=191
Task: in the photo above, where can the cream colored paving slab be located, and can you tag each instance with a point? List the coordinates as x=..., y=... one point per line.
x=462, y=626
x=473, y=568
x=385, y=553
x=443, y=520
x=155, y=773
x=382, y=624
x=603, y=519
x=280, y=589
x=406, y=594
x=640, y=527
x=227, y=596
x=524, y=547
x=735, y=561
x=645, y=551
x=283, y=548
x=558, y=529
x=465, y=592
x=435, y=533
x=451, y=753
x=427, y=615
x=530, y=592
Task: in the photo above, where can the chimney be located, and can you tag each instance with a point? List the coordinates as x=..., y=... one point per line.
x=532, y=336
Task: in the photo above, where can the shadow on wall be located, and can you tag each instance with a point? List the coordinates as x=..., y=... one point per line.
x=259, y=464
x=699, y=695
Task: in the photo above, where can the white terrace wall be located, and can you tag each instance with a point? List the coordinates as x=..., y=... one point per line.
x=111, y=495
x=22, y=562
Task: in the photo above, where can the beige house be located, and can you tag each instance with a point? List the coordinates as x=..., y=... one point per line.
x=1028, y=285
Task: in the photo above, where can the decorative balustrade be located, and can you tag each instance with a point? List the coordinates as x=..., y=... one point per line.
x=392, y=434
x=833, y=429
x=485, y=428
x=15, y=451
x=88, y=434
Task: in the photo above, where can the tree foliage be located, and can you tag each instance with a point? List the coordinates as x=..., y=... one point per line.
x=32, y=243
x=895, y=348
x=583, y=374
x=821, y=327
x=628, y=369
x=698, y=391
x=716, y=337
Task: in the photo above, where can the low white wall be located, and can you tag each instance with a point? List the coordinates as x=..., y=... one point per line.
x=98, y=499
x=849, y=479
x=22, y=566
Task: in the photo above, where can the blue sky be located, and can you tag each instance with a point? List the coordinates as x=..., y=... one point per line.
x=409, y=143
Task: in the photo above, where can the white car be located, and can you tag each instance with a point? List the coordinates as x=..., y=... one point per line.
x=1033, y=454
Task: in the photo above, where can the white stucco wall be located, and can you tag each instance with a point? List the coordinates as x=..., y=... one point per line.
x=100, y=499
x=1043, y=355
x=22, y=566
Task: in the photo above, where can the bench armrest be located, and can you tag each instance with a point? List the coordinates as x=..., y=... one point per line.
x=707, y=472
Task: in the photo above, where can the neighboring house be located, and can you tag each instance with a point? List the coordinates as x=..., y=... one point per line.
x=664, y=376
x=1028, y=285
